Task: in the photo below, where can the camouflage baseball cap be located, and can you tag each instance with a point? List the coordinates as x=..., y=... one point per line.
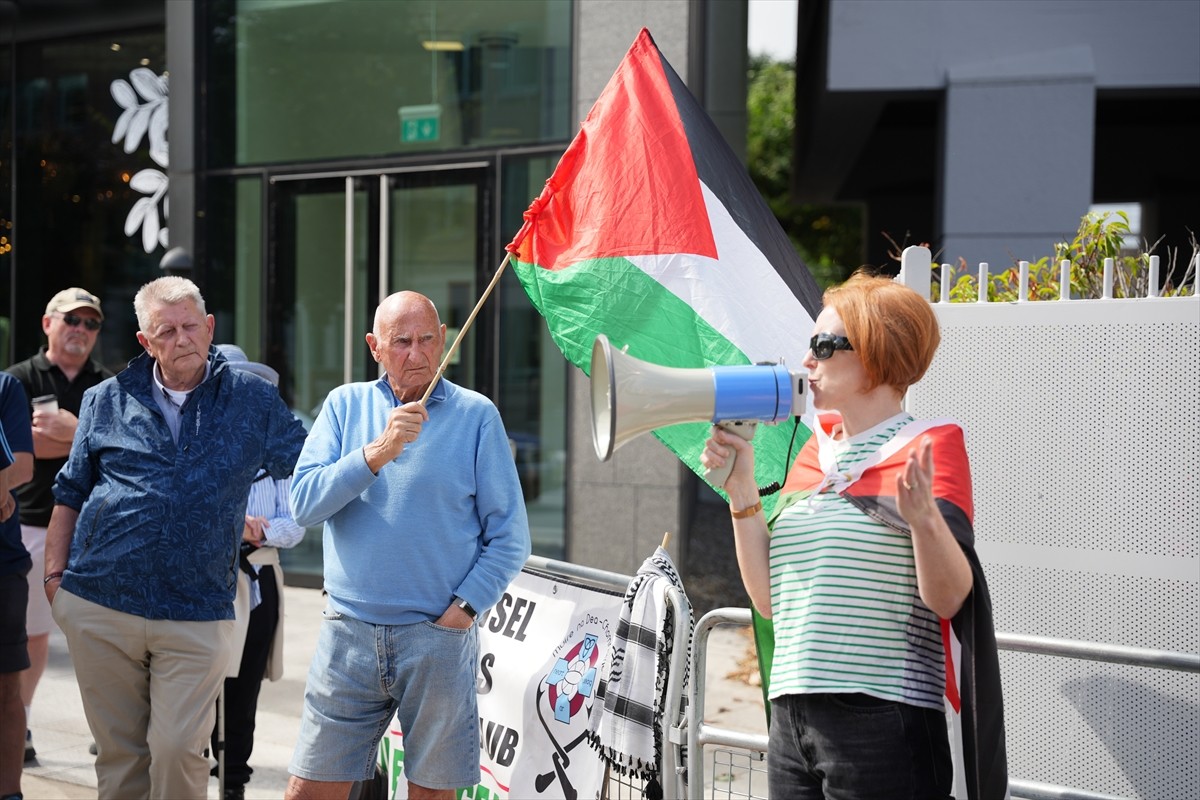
x=73, y=299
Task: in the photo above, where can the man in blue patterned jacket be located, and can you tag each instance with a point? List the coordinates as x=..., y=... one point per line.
x=142, y=546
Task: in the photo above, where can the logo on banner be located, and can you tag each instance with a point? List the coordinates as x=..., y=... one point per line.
x=573, y=679
x=567, y=695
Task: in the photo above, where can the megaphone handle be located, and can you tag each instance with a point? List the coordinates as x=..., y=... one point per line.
x=717, y=477
x=740, y=427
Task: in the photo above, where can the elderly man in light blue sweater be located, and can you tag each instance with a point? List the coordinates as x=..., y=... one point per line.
x=424, y=524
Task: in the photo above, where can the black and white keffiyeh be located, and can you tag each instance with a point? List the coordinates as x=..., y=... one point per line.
x=628, y=732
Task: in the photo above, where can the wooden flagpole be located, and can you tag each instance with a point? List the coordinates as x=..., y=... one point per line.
x=465, y=327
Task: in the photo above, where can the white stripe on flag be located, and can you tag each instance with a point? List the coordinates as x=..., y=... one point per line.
x=741, y=295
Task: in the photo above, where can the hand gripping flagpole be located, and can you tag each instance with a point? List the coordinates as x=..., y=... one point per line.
x=463, y=330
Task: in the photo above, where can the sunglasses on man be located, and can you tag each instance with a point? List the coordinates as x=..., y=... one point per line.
x=823, y=344
x=74, y=321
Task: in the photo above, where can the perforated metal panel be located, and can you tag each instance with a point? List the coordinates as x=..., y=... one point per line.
x=1083, y=428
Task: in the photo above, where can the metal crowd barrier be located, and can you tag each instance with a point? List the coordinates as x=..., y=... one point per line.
x=700, y=760
x=737, y=750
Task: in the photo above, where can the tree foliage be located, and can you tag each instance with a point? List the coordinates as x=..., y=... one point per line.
x=828, y=237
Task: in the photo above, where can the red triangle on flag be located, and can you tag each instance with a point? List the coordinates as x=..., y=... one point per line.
x=627, y=184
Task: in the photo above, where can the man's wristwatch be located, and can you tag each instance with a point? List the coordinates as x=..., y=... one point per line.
x=465, y=606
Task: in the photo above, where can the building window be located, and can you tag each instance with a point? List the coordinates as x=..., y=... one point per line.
x=304, y=81
x=73, y=193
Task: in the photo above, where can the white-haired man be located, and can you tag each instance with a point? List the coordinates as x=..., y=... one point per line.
x=142, y=547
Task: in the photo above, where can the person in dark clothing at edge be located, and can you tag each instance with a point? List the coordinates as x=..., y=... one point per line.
x=16, y=467
x=63, y=369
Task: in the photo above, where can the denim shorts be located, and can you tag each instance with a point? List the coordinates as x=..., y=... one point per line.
x=14, y=592
x=857, y=746
x=362, y=674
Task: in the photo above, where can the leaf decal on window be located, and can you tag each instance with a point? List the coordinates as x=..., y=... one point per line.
x=143, y=100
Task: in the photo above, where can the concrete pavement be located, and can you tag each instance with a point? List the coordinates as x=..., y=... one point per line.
x=64, y=768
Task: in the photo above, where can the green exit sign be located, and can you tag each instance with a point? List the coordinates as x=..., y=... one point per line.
x=420, y=123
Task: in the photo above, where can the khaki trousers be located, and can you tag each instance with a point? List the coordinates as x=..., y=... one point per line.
x=149, y=690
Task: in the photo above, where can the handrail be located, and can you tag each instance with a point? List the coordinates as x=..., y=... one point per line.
x=1093, y=651
x=701, y=733
x=613, y=581
x=1033, y=790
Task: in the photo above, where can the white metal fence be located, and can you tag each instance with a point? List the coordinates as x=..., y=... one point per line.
x=1083, y=427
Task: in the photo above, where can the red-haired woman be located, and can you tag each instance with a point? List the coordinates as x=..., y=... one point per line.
x=869, y=549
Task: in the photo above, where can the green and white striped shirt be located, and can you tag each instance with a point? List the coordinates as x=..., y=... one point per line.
x=844, y=599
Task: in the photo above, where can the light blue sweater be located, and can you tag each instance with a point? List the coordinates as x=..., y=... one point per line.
x=445, y=518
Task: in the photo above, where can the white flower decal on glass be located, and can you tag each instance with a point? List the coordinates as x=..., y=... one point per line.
x=144, y=100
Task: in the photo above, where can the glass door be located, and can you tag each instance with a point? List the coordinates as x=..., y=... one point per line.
x=433, y=243
x=339, y=245
x=318, y=290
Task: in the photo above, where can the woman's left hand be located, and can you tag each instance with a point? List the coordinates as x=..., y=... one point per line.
x=944, y=576
x=914, y=485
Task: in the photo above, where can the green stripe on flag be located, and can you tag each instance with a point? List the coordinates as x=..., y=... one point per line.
x=614, y=297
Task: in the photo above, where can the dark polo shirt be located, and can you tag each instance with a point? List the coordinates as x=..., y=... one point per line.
x=40, y=377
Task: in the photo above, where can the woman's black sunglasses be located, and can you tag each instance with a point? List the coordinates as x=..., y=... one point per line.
x=823, y=345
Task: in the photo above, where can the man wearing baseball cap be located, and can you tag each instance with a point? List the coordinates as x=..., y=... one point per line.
x=62, y=369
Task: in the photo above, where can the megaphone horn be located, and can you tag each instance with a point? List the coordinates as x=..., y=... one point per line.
x=631, y=397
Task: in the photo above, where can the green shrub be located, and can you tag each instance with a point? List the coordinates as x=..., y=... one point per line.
x=1100, y=236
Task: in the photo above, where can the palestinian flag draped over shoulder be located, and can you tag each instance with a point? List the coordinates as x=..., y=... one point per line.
x=650, y=231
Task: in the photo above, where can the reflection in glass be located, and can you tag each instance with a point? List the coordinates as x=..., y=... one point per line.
x=533, y=377
x=309, y=313
x=319, y=80
x=72, y=193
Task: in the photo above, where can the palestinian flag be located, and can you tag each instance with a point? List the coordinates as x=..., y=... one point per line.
x=650, y=231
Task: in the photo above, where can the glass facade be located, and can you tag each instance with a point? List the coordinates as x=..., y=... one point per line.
x=344, y=149
x=353, y=148
x=533, y=373
x=66, y=209
x=349, y=79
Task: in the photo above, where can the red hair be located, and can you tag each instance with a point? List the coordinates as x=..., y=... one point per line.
x=892, y=328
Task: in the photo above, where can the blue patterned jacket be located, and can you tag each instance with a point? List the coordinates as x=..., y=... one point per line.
x=159, y=522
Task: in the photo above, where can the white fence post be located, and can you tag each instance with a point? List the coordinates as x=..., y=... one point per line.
x=915, y=264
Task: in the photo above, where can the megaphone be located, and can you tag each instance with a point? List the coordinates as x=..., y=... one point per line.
x=631, y=397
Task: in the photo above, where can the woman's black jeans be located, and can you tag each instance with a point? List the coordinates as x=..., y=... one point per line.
x=857, y=747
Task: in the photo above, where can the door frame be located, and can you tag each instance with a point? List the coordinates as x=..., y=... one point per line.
x=377, y=182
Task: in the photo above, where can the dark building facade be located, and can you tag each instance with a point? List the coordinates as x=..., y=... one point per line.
x=308, y=158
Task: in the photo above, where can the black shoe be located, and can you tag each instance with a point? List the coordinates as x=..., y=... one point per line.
x=234, y=793
x=30, y=753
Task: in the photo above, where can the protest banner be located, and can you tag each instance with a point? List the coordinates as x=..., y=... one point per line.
x=545, y=650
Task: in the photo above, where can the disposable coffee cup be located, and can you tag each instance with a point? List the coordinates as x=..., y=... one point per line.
x=47, y=403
